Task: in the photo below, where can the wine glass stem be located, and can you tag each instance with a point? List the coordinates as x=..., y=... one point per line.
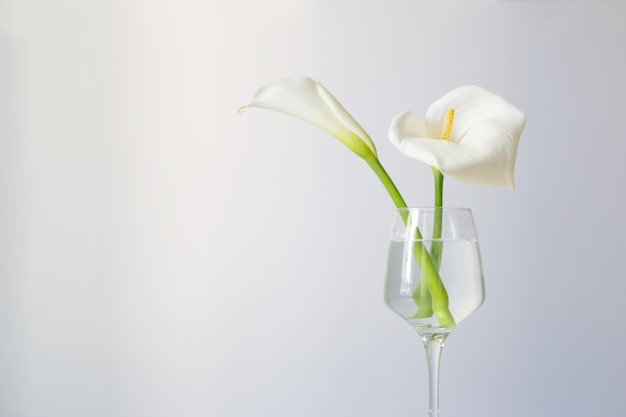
x=433, y=343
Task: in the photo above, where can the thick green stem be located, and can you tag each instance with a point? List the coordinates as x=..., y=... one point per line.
x=422, y=295
x=391, y=188
x=429, y=270
x=423, y=300
x=437, y=245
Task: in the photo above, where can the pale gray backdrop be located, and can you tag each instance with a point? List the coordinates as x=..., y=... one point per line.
x=162, y=256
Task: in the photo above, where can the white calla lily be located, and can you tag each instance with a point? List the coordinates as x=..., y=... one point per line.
x=307, y=99
x=483, y=142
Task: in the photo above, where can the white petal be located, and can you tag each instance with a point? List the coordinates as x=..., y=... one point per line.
x=472, y=105
x=407, y=124
x=409, y=134
x=307, y=99
x=484, y=139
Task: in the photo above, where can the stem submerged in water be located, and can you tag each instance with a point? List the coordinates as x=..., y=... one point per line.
x=434, y=298
x=421, y=295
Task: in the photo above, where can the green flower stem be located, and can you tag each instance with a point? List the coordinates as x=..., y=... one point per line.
x=429, y=270
x=435, y=286
x=423, y=300
x=421, y=295
x=437, y=245
x=391, y=188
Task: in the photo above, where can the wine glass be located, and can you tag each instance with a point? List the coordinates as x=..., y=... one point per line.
x=434, y=277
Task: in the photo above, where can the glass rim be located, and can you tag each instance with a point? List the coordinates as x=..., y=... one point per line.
x=458, y=223
x=432, y=208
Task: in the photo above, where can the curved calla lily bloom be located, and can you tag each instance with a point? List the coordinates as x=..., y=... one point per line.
x=483, y=142
x=307, y=99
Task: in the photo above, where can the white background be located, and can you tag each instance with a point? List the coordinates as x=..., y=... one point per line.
x=161, y=255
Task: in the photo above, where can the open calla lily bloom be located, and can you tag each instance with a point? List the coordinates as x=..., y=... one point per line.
x=481, y=148
x=307, y=99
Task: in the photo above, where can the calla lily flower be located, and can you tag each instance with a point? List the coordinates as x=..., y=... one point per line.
x=307, y=99
x=483, y=142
